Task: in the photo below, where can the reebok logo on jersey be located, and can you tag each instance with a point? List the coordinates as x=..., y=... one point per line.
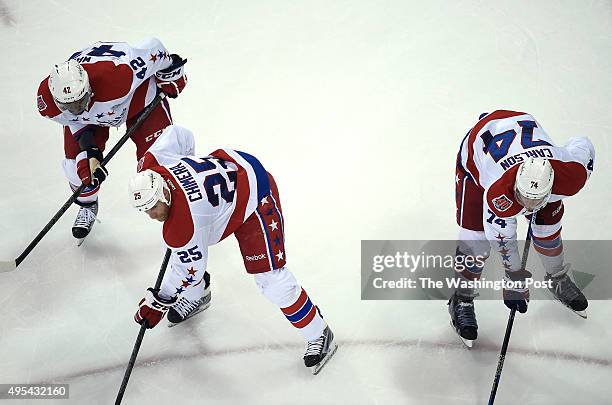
x=254, y=258
x=502, y=203
x=41, y=103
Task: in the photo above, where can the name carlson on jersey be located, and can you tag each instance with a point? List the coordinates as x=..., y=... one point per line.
x=518, y=158
x=187, y=182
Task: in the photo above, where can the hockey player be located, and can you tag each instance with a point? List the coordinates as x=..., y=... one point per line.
x=106, y=85
x=508, y=166
x=201, y=201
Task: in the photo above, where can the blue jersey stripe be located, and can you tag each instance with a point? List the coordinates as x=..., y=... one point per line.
x=263, y=183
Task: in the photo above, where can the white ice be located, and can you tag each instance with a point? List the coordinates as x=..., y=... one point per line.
x=357, y=108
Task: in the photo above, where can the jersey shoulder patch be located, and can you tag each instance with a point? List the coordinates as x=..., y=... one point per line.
x=500, y=195
x=502, y=203
x=44, y=100
x=148, y=161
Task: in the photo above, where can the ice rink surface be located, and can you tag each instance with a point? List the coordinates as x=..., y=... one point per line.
x=357, y=108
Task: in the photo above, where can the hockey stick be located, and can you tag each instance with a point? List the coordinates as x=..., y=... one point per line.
x=6, y=266
x=143, y=329
x=502, y=355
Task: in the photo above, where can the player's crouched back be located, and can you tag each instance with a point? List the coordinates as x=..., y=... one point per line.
x=201, y=201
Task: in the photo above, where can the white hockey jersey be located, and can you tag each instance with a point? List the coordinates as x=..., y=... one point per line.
x=491, y=153
x=211, y=197
x=122, y=82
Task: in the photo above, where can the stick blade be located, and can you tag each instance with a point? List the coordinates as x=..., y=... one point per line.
x=5, y=267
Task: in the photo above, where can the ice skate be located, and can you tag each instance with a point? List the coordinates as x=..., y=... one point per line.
x=463, y=318
x=567, y=293
x=320, y=350
x=84, y=221
x=185, y=309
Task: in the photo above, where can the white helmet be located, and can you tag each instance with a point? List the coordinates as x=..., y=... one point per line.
x=146, y=189
x=69, y=85
x=534, y=182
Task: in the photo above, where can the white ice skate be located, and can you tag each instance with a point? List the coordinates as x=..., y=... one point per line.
x=84, y=221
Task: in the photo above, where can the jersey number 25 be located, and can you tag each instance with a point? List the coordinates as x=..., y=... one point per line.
x=215, y=179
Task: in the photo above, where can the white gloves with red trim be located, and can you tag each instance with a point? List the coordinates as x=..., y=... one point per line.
x=152, y=308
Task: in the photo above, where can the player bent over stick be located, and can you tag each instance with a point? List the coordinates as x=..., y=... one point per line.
x=201, y=201
x=107, y=85
x=508, y=166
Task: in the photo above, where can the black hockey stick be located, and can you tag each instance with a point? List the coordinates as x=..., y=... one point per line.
x=6, y=266
x=143, y=329
x=502, y=355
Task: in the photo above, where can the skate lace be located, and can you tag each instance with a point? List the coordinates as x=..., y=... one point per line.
x=184, y=307
x=465, y=314
x=315, y=347
x=567, y=289
x=84, y=218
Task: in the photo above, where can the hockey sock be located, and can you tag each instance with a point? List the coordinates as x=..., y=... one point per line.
x=305, y=316
x=281, y=288
x=550, y=251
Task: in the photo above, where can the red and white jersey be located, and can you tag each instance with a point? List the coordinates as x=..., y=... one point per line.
x=211, y=196
x=493, y=149
x=121, y=79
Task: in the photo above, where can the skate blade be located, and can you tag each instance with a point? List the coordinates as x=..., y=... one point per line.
x=80, y=241
x=203, y=308
x=583, y=314
x=468, y=343
x=317, y=368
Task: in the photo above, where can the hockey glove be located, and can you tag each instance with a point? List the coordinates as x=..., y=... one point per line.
x=152, y=308
x=88, y=166
x=517, y=296
x=172, y=80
